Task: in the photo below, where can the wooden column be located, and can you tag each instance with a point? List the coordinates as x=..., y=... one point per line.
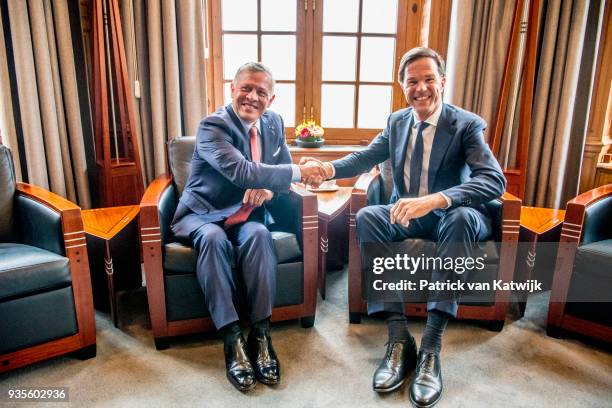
x=516, y=176
x=117, y=159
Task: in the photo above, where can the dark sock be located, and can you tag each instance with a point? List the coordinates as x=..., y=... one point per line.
x=434, y=329
x=262, y=325
x=230, y=332
x=398, y=327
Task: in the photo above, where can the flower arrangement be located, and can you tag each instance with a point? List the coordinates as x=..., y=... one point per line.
x=309, y=132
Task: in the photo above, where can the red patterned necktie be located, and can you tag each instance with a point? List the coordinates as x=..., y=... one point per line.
x=242, y=215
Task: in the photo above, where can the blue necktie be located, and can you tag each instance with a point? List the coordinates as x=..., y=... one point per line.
x=416, y=162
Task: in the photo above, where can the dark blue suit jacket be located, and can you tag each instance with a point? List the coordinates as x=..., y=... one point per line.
x=461, y=164
x=221, y=168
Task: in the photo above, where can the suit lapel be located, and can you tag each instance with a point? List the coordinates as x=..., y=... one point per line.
x=245, y=145
x=442, y=139
x=403, y=131
x=267, y=138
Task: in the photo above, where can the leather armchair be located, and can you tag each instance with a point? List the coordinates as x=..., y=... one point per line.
x=176, y=301
x=375, y=188
x=46, y=306
x=583, y=269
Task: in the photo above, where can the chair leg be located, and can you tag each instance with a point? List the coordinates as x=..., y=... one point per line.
x=495, y=325
x=307, y=321
x=556, y=332
x=355, y=317
x=85, y=353
x=161, y=343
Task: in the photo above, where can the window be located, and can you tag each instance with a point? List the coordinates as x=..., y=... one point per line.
x=334, y=61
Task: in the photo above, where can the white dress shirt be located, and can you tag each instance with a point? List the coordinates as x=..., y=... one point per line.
x=428, y=137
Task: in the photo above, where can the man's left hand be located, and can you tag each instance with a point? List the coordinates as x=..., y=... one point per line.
x=257, y=196
x=406, y=209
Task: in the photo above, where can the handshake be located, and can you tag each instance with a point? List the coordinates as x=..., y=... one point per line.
x=314, y=171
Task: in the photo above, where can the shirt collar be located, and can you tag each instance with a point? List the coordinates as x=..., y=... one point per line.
x=433, y=119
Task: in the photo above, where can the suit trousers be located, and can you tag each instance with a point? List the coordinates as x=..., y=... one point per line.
x=256, y=264
x=455, y=231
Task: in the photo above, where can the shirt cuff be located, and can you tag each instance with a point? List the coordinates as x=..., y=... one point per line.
x=333, y=171
x=296, y=174
x=449, y=203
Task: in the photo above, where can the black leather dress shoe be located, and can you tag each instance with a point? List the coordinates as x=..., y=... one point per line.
x=238, y=368
x=263, y=357
x=426, y=389
x=399, y=360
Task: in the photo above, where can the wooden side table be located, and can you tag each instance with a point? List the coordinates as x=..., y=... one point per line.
x=537, y=225
x=114, y=253
x=333, y=231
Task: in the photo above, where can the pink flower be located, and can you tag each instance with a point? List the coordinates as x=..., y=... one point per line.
x=305, y=132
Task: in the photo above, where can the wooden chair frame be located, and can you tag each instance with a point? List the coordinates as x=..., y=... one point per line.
x=571, y=236
x=84, y=341
x=152, y=255
x=495, y=313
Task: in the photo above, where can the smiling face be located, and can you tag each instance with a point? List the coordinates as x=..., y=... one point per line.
x=423, y=86
x=251, y=95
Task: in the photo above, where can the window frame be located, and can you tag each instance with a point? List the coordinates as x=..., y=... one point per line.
x=412, y=30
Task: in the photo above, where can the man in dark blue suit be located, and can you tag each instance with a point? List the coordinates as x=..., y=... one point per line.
x=443, y=173
x=240, y=163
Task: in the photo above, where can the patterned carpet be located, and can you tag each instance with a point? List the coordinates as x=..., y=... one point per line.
x=330, y=365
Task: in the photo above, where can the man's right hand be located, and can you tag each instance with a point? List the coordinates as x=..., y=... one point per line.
x=312, y=173
x=326, y=167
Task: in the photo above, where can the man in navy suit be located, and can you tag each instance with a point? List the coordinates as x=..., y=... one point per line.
x=443, y=173
x=240, y=163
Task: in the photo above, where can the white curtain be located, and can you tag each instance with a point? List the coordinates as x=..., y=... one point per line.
x=45, y=96
x=165, y=52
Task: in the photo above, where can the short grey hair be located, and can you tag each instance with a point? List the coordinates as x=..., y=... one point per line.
x=254, y=67
x=418, y=53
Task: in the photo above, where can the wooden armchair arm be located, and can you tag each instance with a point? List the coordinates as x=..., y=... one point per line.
x=150, y=238
x=359, y=199
x=363, y=182
x=511, y=217
x=359, y=196
x=70, y=215
x=47, y=198
x=76, y=251
x=69, y=212
x=575, y=212
x=571, y=233
x=150, y=199
x=510, y=224
x=310, y=239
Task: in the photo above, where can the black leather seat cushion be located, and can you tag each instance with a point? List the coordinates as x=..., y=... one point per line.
x=590, y=288
x=185, y=299
x=595, y=259
x=25, y=270
x=181, y=259
x=591, y=283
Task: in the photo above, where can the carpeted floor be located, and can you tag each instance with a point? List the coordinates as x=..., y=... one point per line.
x=330, y=365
